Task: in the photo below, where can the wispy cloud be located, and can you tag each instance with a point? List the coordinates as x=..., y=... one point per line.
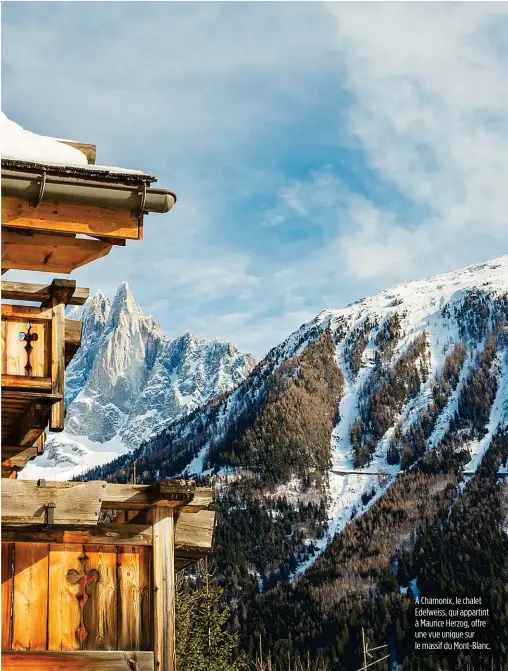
x=319, y=151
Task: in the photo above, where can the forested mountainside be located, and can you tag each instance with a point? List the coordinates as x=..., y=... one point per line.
x=356, y=466
x=128, y=381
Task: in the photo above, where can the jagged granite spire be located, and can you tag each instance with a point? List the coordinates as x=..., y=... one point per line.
x=128, y=381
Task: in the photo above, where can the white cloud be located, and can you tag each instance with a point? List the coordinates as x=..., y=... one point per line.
x=431, y=115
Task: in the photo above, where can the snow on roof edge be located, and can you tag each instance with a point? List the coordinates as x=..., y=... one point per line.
x=19, y=144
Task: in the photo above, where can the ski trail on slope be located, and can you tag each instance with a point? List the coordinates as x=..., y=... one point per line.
x=345, y=491
x=497, y=416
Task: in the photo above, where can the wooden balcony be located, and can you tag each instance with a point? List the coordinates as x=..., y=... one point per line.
x=100, y=595
x=37, y=344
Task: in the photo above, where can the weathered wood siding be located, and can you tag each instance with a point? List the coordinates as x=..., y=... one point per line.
x=40, y=606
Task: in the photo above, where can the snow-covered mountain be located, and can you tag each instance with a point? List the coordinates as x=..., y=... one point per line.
x=415, y=377
x=128, y=381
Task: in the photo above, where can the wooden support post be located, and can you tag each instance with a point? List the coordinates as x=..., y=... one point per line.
x=164, y=588
x=59, y=296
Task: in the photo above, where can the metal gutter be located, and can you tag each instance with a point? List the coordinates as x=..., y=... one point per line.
x=38, y=186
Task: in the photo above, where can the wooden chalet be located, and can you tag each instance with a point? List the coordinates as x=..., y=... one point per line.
x=88, y=569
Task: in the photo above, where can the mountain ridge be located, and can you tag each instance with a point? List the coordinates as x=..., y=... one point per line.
x=128, y=380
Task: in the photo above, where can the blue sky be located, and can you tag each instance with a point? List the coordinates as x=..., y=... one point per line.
x=320, y=152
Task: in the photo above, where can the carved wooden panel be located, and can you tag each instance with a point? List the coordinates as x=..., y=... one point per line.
x=25, y=344
x=66, y=597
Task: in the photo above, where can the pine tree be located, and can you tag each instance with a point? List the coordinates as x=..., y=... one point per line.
x=204, y=639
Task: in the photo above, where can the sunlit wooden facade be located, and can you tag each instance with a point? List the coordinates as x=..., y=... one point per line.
x=87, y=568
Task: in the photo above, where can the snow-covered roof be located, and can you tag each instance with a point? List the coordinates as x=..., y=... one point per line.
x=22, y=145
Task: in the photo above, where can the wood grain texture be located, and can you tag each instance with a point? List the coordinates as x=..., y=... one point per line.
x=25, y=382
x=49, y=253
x=101, y=534
x=69, y=218
x=100, y=612
x=64, y=612
x=194, y=532
x=134, y=610
x=56, y=422
x=15, y=359
x=30, y=601
x=29, y=291
x=78, y=661
x=164, y=597
x=139, y=497
x=28, y=312
x=7, y=592
x=24, y=502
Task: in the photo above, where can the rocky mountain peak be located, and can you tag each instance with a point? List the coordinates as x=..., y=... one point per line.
x=129, y=380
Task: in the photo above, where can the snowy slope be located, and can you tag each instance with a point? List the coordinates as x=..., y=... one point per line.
x=129, y=381
x=466, y=306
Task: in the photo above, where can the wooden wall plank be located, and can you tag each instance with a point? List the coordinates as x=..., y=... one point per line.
x=100, y=611
x=74, y=661
x=7, y=587
x=64, y=612
x=30, y=596
x=134, y=611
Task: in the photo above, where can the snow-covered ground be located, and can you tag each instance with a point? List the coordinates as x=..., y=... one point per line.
x=66, y=459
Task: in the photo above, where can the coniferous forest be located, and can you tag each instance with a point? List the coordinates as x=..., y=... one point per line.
x=433, y=526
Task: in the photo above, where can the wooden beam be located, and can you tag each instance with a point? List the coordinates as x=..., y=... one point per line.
x=25, y=312
x=49, y=253
x=27, y=382
x=18, y=460
x=26, y=291
x=57, y=305
x=53, y=217
x=30, y=425
x=84, y=660
x=25, y=499
x=25, y=502
x=164, y=589
x=40, y=443
x=203, y=497
x=89, y=150
x=73, y=330
x=14, y=395
x=194, y=534
x=118, y=242
x=193, y=537
x=173, y=493
x=100, y=534
x=61, y=291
